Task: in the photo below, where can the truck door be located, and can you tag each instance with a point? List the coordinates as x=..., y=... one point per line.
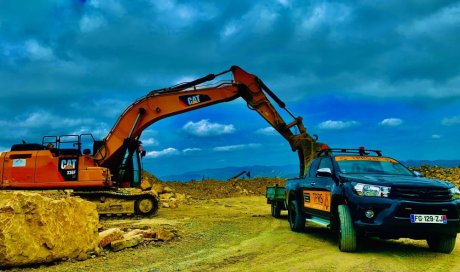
x=317, y=194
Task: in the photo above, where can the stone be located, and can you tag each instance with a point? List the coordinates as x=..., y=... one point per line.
x=126, y=242
x=167, y=189
x=180, y=197
x=145, y=184
x=108, y=236
x=157, y=188
x=165, y=235
x=173, y=203
x=166, y=196
x=35, y=229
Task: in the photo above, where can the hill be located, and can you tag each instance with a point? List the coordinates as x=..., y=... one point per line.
x=283, y=171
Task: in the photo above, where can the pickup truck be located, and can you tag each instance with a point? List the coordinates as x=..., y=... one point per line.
x=360, y=193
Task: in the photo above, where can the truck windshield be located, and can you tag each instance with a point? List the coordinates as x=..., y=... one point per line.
x=371, y=165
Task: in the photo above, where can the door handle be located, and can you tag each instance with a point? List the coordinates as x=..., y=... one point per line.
x=313, y=183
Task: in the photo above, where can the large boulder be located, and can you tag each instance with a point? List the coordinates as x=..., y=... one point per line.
x=37, y=229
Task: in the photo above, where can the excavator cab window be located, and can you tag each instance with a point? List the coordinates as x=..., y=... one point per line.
x=69, y=145
x=86, y=144
x=130, y=169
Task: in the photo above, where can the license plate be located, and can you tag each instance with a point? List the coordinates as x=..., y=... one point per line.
x=428, y=218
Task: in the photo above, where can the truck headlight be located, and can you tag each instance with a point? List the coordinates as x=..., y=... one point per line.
x=455, y=192
x=371, y=190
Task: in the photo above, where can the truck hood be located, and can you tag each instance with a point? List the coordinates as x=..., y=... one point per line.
x=394, y=180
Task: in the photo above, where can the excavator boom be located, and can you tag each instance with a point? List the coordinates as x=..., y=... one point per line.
x=189, y=96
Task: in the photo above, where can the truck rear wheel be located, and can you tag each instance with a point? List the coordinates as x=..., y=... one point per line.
x=296, y=217
x=146, y=205
x=442, y=244
x=276, y=209
x=347, y=234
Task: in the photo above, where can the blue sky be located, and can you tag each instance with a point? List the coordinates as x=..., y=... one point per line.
x=380, y=74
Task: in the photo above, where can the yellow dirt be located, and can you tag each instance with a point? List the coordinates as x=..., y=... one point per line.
x=239, y=234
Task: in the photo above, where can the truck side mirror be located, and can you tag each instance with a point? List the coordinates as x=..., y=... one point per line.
x=324, y=172
x=418, y=174
x=143, y=153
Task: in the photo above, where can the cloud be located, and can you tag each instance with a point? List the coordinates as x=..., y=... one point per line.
x=91, y=23
x=451, y=121
x=44, y=119
x=436, y=136
x=168, y=152
x=191, y=150
x=391, y=122
x=337, y=125
x=150, y=142
x=37, y=51
x=324, y=14
x=228, y=148
x=432, y=25
x=204, y=128
x=267, y=131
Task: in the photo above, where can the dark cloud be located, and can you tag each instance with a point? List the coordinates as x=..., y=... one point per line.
x=85, y=61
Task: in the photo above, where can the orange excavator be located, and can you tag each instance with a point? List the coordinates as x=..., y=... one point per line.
x=109, y=171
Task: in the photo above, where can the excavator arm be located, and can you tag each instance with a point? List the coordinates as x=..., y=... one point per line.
x=189, y=96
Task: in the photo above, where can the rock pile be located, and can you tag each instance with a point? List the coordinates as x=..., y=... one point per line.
x=38, y=229
x=168, y=197
x=436, y=172
x=117, y=239
x=210, y=189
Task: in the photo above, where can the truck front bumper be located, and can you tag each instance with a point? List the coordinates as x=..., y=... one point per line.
x=392, y=217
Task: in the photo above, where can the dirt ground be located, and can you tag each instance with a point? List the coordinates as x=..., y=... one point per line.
x=239, y=234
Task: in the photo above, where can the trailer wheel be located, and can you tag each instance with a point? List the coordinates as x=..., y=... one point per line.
x=442, y=244
x=296, y=218
x=276, y=209
x=146, y=206
x=346, y=231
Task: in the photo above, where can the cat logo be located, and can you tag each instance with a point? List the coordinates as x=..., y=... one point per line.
x=68, y=168
x=68, y=164
x=192, y=100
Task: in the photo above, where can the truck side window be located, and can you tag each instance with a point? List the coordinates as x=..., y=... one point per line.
x=326, y=163
x=313, y=168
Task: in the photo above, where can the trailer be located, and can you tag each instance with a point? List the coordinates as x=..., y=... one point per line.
x=276, y=197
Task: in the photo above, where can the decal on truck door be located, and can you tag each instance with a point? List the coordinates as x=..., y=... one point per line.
x=68, y=167
x=318, y=200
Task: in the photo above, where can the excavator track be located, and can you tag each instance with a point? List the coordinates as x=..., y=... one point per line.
x=122, y=202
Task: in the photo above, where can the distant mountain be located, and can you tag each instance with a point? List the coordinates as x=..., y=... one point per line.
x=283, y=171
x=440, y=163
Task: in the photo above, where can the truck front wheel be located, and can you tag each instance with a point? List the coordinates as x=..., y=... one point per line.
x=442, y=244
x=296, y=217
x=347, y=234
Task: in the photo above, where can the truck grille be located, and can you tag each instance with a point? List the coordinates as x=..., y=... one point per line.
x=420, y=194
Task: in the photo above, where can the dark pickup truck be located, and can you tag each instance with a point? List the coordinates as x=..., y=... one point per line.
x=357, y=192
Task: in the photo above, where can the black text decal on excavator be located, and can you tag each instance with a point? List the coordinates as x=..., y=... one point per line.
x=68, y=167
x=190, y=100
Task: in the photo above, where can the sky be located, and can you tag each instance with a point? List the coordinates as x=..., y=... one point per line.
x=379, y=74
